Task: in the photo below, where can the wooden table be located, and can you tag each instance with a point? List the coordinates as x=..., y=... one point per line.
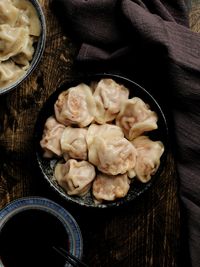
x=145, y=233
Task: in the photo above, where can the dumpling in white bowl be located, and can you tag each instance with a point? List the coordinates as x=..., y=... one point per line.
x=136, y=117
x=75, y=106
x=111, y=154
x=148, y=158
x=73, y=143
x=50, y=142
x=75, y=177
x=109, y=188
x=108, y=97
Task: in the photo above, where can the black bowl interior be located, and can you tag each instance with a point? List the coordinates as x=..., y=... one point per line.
x=47, y=165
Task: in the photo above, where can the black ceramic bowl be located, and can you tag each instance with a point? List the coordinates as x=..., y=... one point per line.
x=39, y=49
x=47, y=166
x=29, y=229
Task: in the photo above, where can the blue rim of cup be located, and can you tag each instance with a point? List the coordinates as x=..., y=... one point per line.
x=38, y=51
x=47, y=205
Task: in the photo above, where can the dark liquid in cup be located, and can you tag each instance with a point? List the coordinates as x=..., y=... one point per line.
x=27, y=239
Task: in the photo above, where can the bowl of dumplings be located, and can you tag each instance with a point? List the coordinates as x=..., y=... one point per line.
x=101, y=141
x=22, y=41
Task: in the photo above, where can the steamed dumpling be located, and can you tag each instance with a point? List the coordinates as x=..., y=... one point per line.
x=50, y=142
x=135, y=118
x=73, y=143
x=75, y=177
x=108, y=97
x=112, y=156
x=8, y=13
x=9, y=73
x=19, y=29
x=12, y=40
x=28, y=16
x=26, y=54
x=105, y=131
x=148, y=158
x=75, y=106
x=109, y=188
x=108, y=150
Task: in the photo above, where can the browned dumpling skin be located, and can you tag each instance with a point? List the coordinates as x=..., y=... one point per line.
x=109, y=188
x=108, y=97
x=50, y=142
x=148, y=158
x=75, y=177
x=109, y=151
x=73, y=143
x=75, y=106
x=135, y=118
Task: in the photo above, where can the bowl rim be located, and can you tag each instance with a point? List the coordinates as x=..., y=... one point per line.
x=37, y=53
x=90, y=77
x=44, y=204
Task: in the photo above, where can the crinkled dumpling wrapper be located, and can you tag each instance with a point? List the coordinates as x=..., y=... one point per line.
x=108, y=96
x=28, y=16
x=104, y=130
x=148, y=157
x=109, y=188
x=50, y=142
x=109, y=151
x=73, y=143
x=136, y=117
x=12, y=40
x=9, y=14
x=75, y=177
x=26, y=54
x=75, y=106
x=9, y=72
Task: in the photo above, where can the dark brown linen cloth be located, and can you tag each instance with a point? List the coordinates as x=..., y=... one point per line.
x=150, y=42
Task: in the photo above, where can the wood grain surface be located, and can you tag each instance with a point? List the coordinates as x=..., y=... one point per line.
x=145, y=232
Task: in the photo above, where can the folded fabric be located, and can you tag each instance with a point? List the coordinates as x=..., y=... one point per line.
x=150, y=42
